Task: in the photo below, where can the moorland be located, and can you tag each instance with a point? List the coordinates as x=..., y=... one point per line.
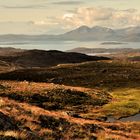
x=73, y=98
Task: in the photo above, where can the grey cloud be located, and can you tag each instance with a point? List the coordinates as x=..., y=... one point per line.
x=24, y=6
x=68, y=2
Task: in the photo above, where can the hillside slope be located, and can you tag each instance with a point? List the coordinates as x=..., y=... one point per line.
x=109, y=74
x=40, y=58
x=41, y=111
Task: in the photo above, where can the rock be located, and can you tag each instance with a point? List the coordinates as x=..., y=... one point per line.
x=73, y=114
x=104, y=71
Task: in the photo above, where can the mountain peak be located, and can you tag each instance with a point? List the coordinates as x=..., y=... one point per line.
x=84, y=27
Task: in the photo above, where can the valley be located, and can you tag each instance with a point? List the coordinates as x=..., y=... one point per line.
x=76, y=97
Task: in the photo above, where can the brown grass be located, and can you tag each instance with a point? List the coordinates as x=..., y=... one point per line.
x=35, y=122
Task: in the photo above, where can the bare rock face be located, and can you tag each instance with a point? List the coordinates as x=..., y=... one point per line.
x=7, y=123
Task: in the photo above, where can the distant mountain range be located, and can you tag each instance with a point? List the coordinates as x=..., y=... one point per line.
x=83, y=33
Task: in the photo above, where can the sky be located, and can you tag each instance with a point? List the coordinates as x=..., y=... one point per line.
x=59, y=16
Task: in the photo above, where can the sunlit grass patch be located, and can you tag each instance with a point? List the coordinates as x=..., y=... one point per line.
x=14, y=134
x=126, y=102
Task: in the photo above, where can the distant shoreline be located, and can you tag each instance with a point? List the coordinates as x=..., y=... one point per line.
x=113, y=43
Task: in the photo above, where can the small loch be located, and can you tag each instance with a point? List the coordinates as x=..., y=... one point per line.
x=134, y=118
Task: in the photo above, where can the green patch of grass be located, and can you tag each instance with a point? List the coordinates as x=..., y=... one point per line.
x=126, y=102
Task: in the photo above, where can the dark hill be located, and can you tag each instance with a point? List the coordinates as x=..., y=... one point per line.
x=41, y=58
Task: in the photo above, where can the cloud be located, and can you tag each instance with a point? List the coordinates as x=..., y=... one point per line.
x=24, y=6
x=24, y=27
x=44, y=26
x=90, y=16
x=102, y=16
x=68, y=2
x=35, y=4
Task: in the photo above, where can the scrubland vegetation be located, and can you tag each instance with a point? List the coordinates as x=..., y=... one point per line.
x=48, y=111
x=71, y=101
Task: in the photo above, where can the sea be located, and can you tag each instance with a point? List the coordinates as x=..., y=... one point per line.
x=67, y=45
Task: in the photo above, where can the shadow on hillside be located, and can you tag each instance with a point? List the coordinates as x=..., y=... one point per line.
x=7, y=123
x=58, y=99
x=63, y=129
x=92, y=75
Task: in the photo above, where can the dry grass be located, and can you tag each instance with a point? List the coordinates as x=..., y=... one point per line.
x=35, y=122
x=14, y=134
